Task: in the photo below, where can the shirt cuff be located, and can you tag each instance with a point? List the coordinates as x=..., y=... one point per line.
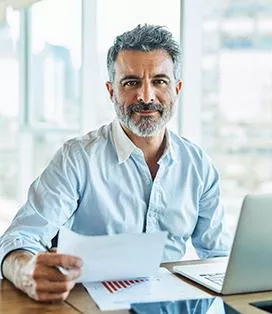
x=33, y=248
x=2, y=261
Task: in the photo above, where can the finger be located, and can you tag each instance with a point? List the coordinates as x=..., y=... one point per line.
x=48, y=273
x=72, y=273
x=53, y=274
x=53, y=287
x=51, y=297
x=56, y=259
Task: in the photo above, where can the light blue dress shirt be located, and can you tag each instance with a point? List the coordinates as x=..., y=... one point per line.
x=100, y=184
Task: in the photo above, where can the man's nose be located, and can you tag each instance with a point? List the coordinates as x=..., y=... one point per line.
x=146, y=94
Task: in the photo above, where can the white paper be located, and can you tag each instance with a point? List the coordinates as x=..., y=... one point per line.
x=121, y=256
x=163, y=287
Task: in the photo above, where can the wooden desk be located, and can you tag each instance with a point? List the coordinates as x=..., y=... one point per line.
x=13, y=301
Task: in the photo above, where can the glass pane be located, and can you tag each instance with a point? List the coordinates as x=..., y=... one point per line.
x=9, y=111
x=118, y=16
x=237, y=96
x=55, y=64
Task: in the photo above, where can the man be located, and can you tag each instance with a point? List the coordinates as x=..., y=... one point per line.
x=130, y=176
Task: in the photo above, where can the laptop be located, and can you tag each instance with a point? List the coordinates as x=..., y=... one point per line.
x=249, y=266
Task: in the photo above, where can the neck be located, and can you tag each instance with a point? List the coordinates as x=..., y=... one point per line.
x=152, y=146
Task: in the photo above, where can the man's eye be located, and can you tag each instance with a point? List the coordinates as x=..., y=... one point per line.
x=131, y=83
x=160, y=82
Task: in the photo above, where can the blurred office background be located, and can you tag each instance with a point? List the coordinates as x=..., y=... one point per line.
x=53, y=73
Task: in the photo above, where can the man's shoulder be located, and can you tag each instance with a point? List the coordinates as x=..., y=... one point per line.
x=89, y=140
x=190, y=153
x=182, y=144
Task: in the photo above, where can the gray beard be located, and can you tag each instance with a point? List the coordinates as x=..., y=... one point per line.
x=146, y=126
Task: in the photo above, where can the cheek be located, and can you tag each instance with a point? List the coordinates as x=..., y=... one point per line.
x=167, y=97
x=126, y=98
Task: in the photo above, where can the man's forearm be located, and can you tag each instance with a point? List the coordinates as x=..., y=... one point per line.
x=13, y=263
x=38, y=276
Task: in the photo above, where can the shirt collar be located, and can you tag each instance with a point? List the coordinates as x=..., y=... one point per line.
x=169, y=150
x=125, y=147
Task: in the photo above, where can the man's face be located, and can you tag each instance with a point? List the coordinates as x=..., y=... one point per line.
x=144, y=90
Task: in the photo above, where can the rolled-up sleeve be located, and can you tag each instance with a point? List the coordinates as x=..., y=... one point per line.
x=52, y=200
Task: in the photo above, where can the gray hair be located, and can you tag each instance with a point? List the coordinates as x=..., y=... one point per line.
x=145, y=38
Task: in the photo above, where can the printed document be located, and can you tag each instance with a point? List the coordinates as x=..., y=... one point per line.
x=121, y=256
x=119, y=294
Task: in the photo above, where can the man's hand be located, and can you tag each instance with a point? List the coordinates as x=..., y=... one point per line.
x=38, y=276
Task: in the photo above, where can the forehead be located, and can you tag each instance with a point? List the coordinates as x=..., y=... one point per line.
x=135, y=62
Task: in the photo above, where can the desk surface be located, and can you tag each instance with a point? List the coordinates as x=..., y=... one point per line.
x=13, y=301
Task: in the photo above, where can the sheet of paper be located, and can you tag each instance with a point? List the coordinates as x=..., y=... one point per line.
x=121, y=256
x=114, y=295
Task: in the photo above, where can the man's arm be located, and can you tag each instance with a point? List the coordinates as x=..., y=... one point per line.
x=37, y=275
x=52, y=200
x=210, y=237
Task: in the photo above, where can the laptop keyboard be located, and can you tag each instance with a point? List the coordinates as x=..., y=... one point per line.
x=216, y=278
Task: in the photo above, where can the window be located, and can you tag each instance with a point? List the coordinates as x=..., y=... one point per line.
x=236, y=109
x=9, y=113
x=40, y=104
x=55, y=64
x=54, y=104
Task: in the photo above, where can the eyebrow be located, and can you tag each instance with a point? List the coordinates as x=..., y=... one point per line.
x=135, y=77
x=129, y=77
x=162, y=76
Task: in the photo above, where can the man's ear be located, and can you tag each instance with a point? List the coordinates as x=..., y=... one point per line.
x=179, y=86
x=110, y=89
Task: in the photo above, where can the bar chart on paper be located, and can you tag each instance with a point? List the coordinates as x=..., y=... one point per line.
x=117, y=286
x=119, y=294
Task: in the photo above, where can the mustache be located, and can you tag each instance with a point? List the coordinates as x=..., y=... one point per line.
x=145, y=106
